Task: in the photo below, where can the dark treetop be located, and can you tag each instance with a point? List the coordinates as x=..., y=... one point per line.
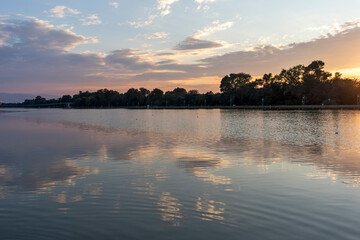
x=307, y=85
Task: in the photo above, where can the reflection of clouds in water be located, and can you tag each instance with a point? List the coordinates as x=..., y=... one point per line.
x=63, y=198
x=5, y=175
x=216, y=180
x=47, y=164
x=159, y=173
x=69, y=196
x=43, y=184
x=103, y=153
x=39, y=155
x=93, y=189
x=315, y=174
x=210, y=210
x=3, y=192
x=200, y=163
x=170, y=209
x=351, y=180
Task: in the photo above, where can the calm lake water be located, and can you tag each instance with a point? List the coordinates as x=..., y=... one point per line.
x=179, y=174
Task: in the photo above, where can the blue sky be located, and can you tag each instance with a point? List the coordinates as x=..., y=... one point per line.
x=54, y=46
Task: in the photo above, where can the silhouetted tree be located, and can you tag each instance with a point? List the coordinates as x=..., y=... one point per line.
x=312, y=82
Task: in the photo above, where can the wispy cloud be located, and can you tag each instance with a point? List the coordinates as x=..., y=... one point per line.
x=114, y=4
x=202, y=6
x=194, y=42
x=165, y=6
x=162, y=9
x=204, y=1
x=139, y=24
x=61, y=12
x=217, y=26
x=191, y=43
x=93, y=19
x=334, y=28
x=157, y=35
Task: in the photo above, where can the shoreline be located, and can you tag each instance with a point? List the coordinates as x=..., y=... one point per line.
x=276, y=107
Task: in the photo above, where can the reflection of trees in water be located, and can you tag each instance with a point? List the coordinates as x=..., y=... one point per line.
x=326, y=160
x=302, y=128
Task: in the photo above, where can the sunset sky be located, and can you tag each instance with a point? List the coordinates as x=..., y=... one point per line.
x=57, y=47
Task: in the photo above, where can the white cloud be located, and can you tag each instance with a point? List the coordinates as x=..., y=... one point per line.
x=145, y=23
x=204, y=1
x=114, y=4
x=206, y=8
x=91, y=20
x=157, y=35
x=164, y=8
x=162, y=4
x=203, y=7
x=61, y=11
x=335, y=28
x=65, y=26
x=213, y=29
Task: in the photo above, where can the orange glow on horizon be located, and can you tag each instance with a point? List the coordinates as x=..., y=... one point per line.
x=349, y=72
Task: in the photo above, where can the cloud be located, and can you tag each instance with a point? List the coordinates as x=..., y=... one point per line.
x=191, y=43
x=328, y=30
x=127, y=60
x=165, y=6
x=36, y=53
x=157, y=35
x=217, y=26
x=61, y=12
x=204, y=1
x=114, y=4
x=204, y=7
x=34, y=34
x=140, y=24
x=93, y=19
x=35, y=56
x=336, y=50
x=194, y=42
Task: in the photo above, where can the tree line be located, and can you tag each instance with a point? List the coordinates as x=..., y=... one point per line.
x=300, y=84
x=310, y=85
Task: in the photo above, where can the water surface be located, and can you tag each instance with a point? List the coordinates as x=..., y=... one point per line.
x=179, y=174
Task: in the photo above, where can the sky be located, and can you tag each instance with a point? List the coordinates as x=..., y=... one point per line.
x=65, y=46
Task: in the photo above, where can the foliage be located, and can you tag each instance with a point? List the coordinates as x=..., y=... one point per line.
x=297, y=85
